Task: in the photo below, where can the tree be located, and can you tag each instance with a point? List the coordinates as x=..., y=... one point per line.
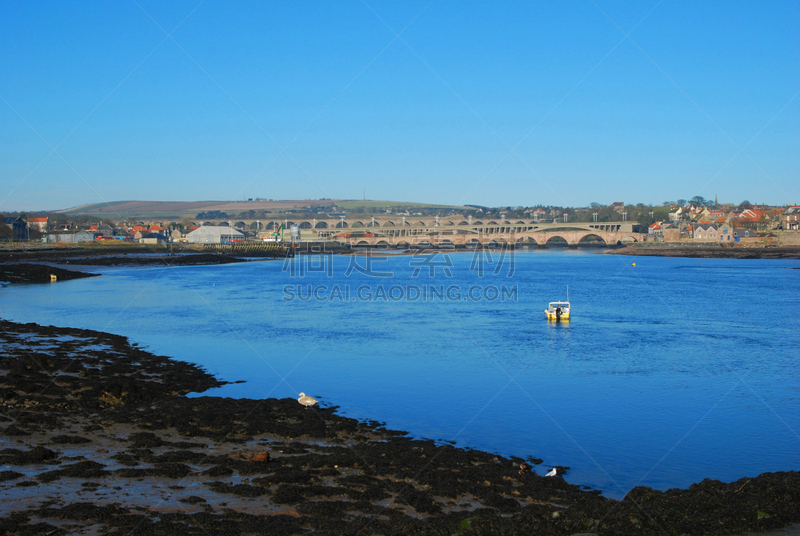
x=698, y=200
x=682, y=202
x=745, y=205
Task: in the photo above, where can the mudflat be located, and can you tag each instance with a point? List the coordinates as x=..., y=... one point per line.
x=710, y=252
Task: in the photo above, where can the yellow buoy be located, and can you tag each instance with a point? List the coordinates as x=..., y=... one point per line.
x=634, y=264
x=53, y=278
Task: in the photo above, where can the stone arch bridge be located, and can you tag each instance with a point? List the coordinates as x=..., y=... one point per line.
x=483, y=235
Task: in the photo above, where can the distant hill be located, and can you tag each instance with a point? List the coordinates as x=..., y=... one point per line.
x=180, y=209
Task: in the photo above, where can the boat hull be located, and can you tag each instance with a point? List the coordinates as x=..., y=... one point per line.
x=552, y=316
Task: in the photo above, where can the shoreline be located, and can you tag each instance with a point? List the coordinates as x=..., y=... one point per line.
x=97, y=431
x=62, y=256
x=710, y=252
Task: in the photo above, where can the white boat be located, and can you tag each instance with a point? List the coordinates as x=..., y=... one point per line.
x=558, y=310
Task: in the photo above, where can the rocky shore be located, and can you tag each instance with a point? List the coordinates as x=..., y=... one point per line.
x=125, y=255
x=710, y=252
x=99, y=437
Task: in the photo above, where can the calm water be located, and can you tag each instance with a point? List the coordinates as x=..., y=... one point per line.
x=671, y=371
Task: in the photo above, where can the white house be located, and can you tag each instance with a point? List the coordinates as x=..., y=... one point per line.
x=213, y=234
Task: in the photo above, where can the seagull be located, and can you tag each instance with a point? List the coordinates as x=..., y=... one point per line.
x=552, y=472
x=306, y=400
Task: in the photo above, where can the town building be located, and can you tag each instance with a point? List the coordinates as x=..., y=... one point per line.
x=213, y=234
x=790, y=221
x=40, y=224
x=705, y=232
x=70, y=237
x=19, y=228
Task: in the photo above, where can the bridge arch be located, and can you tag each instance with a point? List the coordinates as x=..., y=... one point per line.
x=362, y=243
x=463, y=222
x=557, y=241
x=341, y=224
x=321, y=225
x=357, y=224
x=389, y=223
x=240, y=225
x=590, y=239
x=403, y=244
x=305, y=225
x=527, y=241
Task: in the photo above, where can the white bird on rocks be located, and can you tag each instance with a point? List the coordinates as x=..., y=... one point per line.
x=306, y=400
x=552, y=472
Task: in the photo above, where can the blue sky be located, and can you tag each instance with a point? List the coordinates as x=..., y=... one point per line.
x=522, y=103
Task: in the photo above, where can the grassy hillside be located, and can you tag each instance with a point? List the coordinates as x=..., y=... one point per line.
x=180, y=209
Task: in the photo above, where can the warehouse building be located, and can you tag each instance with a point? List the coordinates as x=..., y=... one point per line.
x=213, y=234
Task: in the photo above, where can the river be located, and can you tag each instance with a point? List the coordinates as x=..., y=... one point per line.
x=671, y=370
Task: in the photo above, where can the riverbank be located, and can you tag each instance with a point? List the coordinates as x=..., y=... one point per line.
x=709, y=252
x=99, y=435
x=113, y=255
